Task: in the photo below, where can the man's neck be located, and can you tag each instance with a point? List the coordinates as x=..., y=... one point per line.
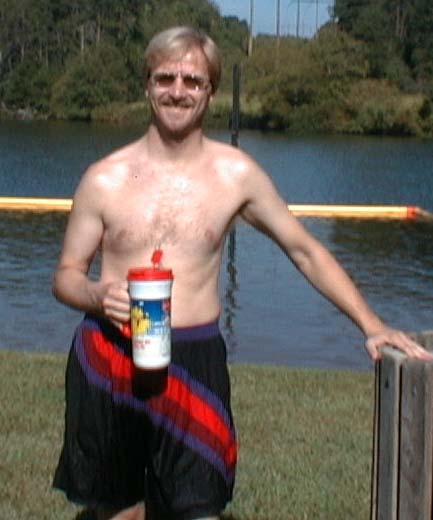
x=172, y=149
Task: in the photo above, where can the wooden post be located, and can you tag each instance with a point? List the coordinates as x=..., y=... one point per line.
x=403, y=437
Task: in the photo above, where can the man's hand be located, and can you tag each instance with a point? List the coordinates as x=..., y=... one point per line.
x=397, y=339
x=115, y=303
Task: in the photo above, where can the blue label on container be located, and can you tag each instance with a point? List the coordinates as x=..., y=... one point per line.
x=150, y=317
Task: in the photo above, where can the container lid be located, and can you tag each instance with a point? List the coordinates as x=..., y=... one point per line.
x=149, y=274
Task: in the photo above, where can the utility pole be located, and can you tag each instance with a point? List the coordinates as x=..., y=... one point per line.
x=277, y=29
x=277, y=18
x=250, y=39
x=311, y=3
x=298, y=16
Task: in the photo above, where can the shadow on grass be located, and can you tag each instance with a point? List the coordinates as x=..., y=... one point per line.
x=89, y=514
x=86, y=514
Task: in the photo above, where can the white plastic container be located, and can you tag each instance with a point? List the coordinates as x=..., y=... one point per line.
x=150, y=292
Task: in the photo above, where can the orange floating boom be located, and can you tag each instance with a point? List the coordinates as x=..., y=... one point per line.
x=34, y=204
x=308, y=210
x=354, y=211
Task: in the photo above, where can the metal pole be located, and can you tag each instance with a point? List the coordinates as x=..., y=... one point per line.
x=298, y=15
x=235, y=123
x=277, y=28
x=230, y=296
x=277, y=20
x=236, y=105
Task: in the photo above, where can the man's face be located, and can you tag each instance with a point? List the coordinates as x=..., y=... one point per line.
x=179, y=91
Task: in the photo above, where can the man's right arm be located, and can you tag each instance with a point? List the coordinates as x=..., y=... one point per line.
x=84, y=232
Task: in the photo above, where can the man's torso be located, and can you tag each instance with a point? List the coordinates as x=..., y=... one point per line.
x=185, y=210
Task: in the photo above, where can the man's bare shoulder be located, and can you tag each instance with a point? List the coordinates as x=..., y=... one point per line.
x=112, y=170
x=245, y=177
x=238, y=168
x=234, y=161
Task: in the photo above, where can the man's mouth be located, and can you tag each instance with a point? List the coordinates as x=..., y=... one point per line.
x=180, y=103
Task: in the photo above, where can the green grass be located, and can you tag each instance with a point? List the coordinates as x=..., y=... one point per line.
x=305, y=439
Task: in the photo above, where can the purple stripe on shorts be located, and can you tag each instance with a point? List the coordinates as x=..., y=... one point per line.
x=195, y=333
x=199, y=389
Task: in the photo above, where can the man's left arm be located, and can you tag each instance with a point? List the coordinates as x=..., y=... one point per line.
x=321, y=268
x=266, y=211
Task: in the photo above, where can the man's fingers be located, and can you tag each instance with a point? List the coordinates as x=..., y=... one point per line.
x=116, y=303
x=399, y=340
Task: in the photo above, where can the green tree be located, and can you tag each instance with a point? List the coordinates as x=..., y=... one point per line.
x=281, y=90
x=29, y=85
x=96, y=78
x=347, y=12
x=398, y=33
x=161, y=14
x=339, y=56
x=419, y=40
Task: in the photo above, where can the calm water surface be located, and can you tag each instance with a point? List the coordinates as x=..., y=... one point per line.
x=270, y=313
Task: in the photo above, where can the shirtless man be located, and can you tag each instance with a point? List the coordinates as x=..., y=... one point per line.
x=180, y=191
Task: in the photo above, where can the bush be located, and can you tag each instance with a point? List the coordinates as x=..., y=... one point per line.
x=377, y=107
x=97, y=77
x=28, y=86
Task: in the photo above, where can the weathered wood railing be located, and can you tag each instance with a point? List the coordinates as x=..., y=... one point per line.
x=402, y=481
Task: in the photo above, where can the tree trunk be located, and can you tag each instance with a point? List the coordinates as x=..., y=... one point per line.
x=82, y=43
x=397, y=19
x=403, y=25
x=98, y=29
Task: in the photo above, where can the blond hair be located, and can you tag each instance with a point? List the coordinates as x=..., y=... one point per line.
x=175, y=43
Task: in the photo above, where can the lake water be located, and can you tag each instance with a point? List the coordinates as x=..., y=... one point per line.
x=270, y=313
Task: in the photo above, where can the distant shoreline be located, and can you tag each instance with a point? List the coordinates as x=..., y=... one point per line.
x=252, y=117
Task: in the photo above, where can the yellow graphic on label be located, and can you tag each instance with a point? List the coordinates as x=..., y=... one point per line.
x=140, y=321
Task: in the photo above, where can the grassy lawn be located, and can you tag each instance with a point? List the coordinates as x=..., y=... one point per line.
x=305, y=441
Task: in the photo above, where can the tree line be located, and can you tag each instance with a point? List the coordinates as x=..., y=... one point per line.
x=369, y=70
x=67, y=57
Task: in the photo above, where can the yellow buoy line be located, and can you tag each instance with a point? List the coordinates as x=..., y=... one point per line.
x=358, y=211
x=34, y=204
x=309, y=210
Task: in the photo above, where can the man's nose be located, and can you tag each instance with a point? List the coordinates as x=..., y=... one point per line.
x=177, y=89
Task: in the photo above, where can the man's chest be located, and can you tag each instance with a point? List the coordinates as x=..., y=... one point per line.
x=187, y=215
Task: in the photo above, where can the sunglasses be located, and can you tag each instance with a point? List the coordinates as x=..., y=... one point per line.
x=190, y=81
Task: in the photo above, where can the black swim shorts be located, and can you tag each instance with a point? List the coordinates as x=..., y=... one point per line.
x=166, y=437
